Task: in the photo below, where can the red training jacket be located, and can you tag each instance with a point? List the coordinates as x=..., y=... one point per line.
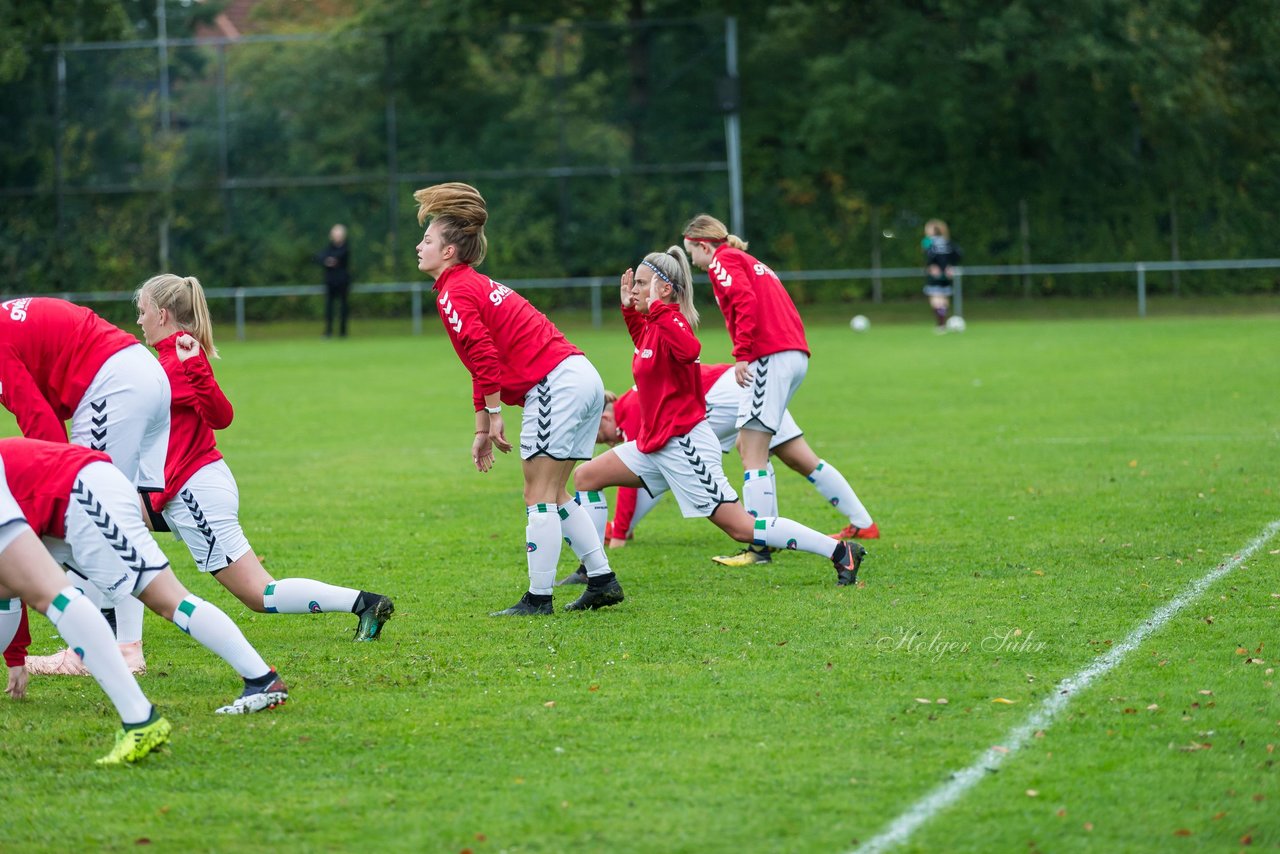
x=758, y=311
x=199, y=407
x=668, y=382
x=506, y=343
x=50, y=351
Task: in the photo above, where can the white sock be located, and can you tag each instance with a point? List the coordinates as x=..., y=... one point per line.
x=304, y=596
x=785, y=534
x=758, y=493
x=10, y=619
x=542, y=535
x=644, y=503
x=214, y=629
x=129, y=620
x=597, y=507
x=839, y=494
x=578, y=531
x=86, y=631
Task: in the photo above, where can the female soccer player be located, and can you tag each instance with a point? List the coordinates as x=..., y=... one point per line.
x=201, y=501
x=74, y=495
x=770, y=352
x=675, y=448
x=28, y=574
x=518, y=357
x=940, y=260
x=621, y=420
x=61, y=361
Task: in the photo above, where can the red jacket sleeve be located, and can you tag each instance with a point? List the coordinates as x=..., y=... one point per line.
x=741, y=299
x=16, y=654
x=472, y=342
x=635, y=324
x=202, y=392
x=674, y=331
x=22, y=397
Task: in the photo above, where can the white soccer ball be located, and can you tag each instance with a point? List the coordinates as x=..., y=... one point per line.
x=860, y=323
x=955, y=323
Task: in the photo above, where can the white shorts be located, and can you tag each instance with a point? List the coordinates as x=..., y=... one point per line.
x=687, y=465
x=125, y=412
x=562, y=412
x=722, y=414
x=205, y=515
x=774, y=380
x=12, y=520
x=108, y=541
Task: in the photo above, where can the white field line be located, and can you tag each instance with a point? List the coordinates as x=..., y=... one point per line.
x=960, y=783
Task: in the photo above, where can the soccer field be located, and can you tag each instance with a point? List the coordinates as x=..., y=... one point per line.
x=1045, y=490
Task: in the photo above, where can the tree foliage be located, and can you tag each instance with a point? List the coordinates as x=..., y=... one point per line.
x=1110, y=123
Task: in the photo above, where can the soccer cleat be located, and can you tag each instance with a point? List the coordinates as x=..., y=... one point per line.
x=256, y=698
x=847, y=566
x=598, y=595
x=133, y=744
x=853, y=532
x=578, y=576
x=528, y=606
x=750, y=556
x=373, y=618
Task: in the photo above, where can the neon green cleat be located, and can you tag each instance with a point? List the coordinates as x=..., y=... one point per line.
x=133, y=744
x=750, y=556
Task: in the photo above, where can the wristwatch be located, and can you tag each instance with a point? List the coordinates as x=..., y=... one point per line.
x=493, y=410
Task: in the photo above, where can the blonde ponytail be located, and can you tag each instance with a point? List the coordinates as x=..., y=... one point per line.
x=184, y=299
x=461, y=212
x=708, y=228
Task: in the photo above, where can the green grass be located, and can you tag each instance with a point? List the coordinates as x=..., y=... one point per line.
x=1059, y=479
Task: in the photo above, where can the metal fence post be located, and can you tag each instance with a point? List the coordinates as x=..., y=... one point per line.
x=958, y=292
x=415, y=301
x=239, y=314
x=1142, y=289
x=596, y=318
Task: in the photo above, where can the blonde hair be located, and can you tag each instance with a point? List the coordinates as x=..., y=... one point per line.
x=936, y=227
x=707, y=227
x=610, y=398
x=184, y=299
x=673, y=266
x=460, y=210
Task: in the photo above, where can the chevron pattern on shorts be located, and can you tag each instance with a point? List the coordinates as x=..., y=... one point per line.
x=110, y=530
x=758, y=386
x=701, y=473
x=98, y=425
x=542, y=424
x=202, y=524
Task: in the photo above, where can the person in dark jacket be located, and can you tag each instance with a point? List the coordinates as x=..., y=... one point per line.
x=941, y=257
x=337, y=279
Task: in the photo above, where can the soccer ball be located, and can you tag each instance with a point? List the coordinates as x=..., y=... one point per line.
x=860, y=323
x=955, y=323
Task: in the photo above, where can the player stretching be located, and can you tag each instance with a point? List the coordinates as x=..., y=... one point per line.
x=61, y=361
x=201, y=501
x=82, y=504
x=770, y=354
x=28, y=574
x=675, y=448
x=518, y=357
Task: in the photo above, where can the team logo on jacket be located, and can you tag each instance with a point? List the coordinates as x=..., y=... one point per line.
x=646, y=353
x=17, y=308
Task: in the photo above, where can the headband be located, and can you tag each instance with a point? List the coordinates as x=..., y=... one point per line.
x=692, y=239
x=661, y=275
